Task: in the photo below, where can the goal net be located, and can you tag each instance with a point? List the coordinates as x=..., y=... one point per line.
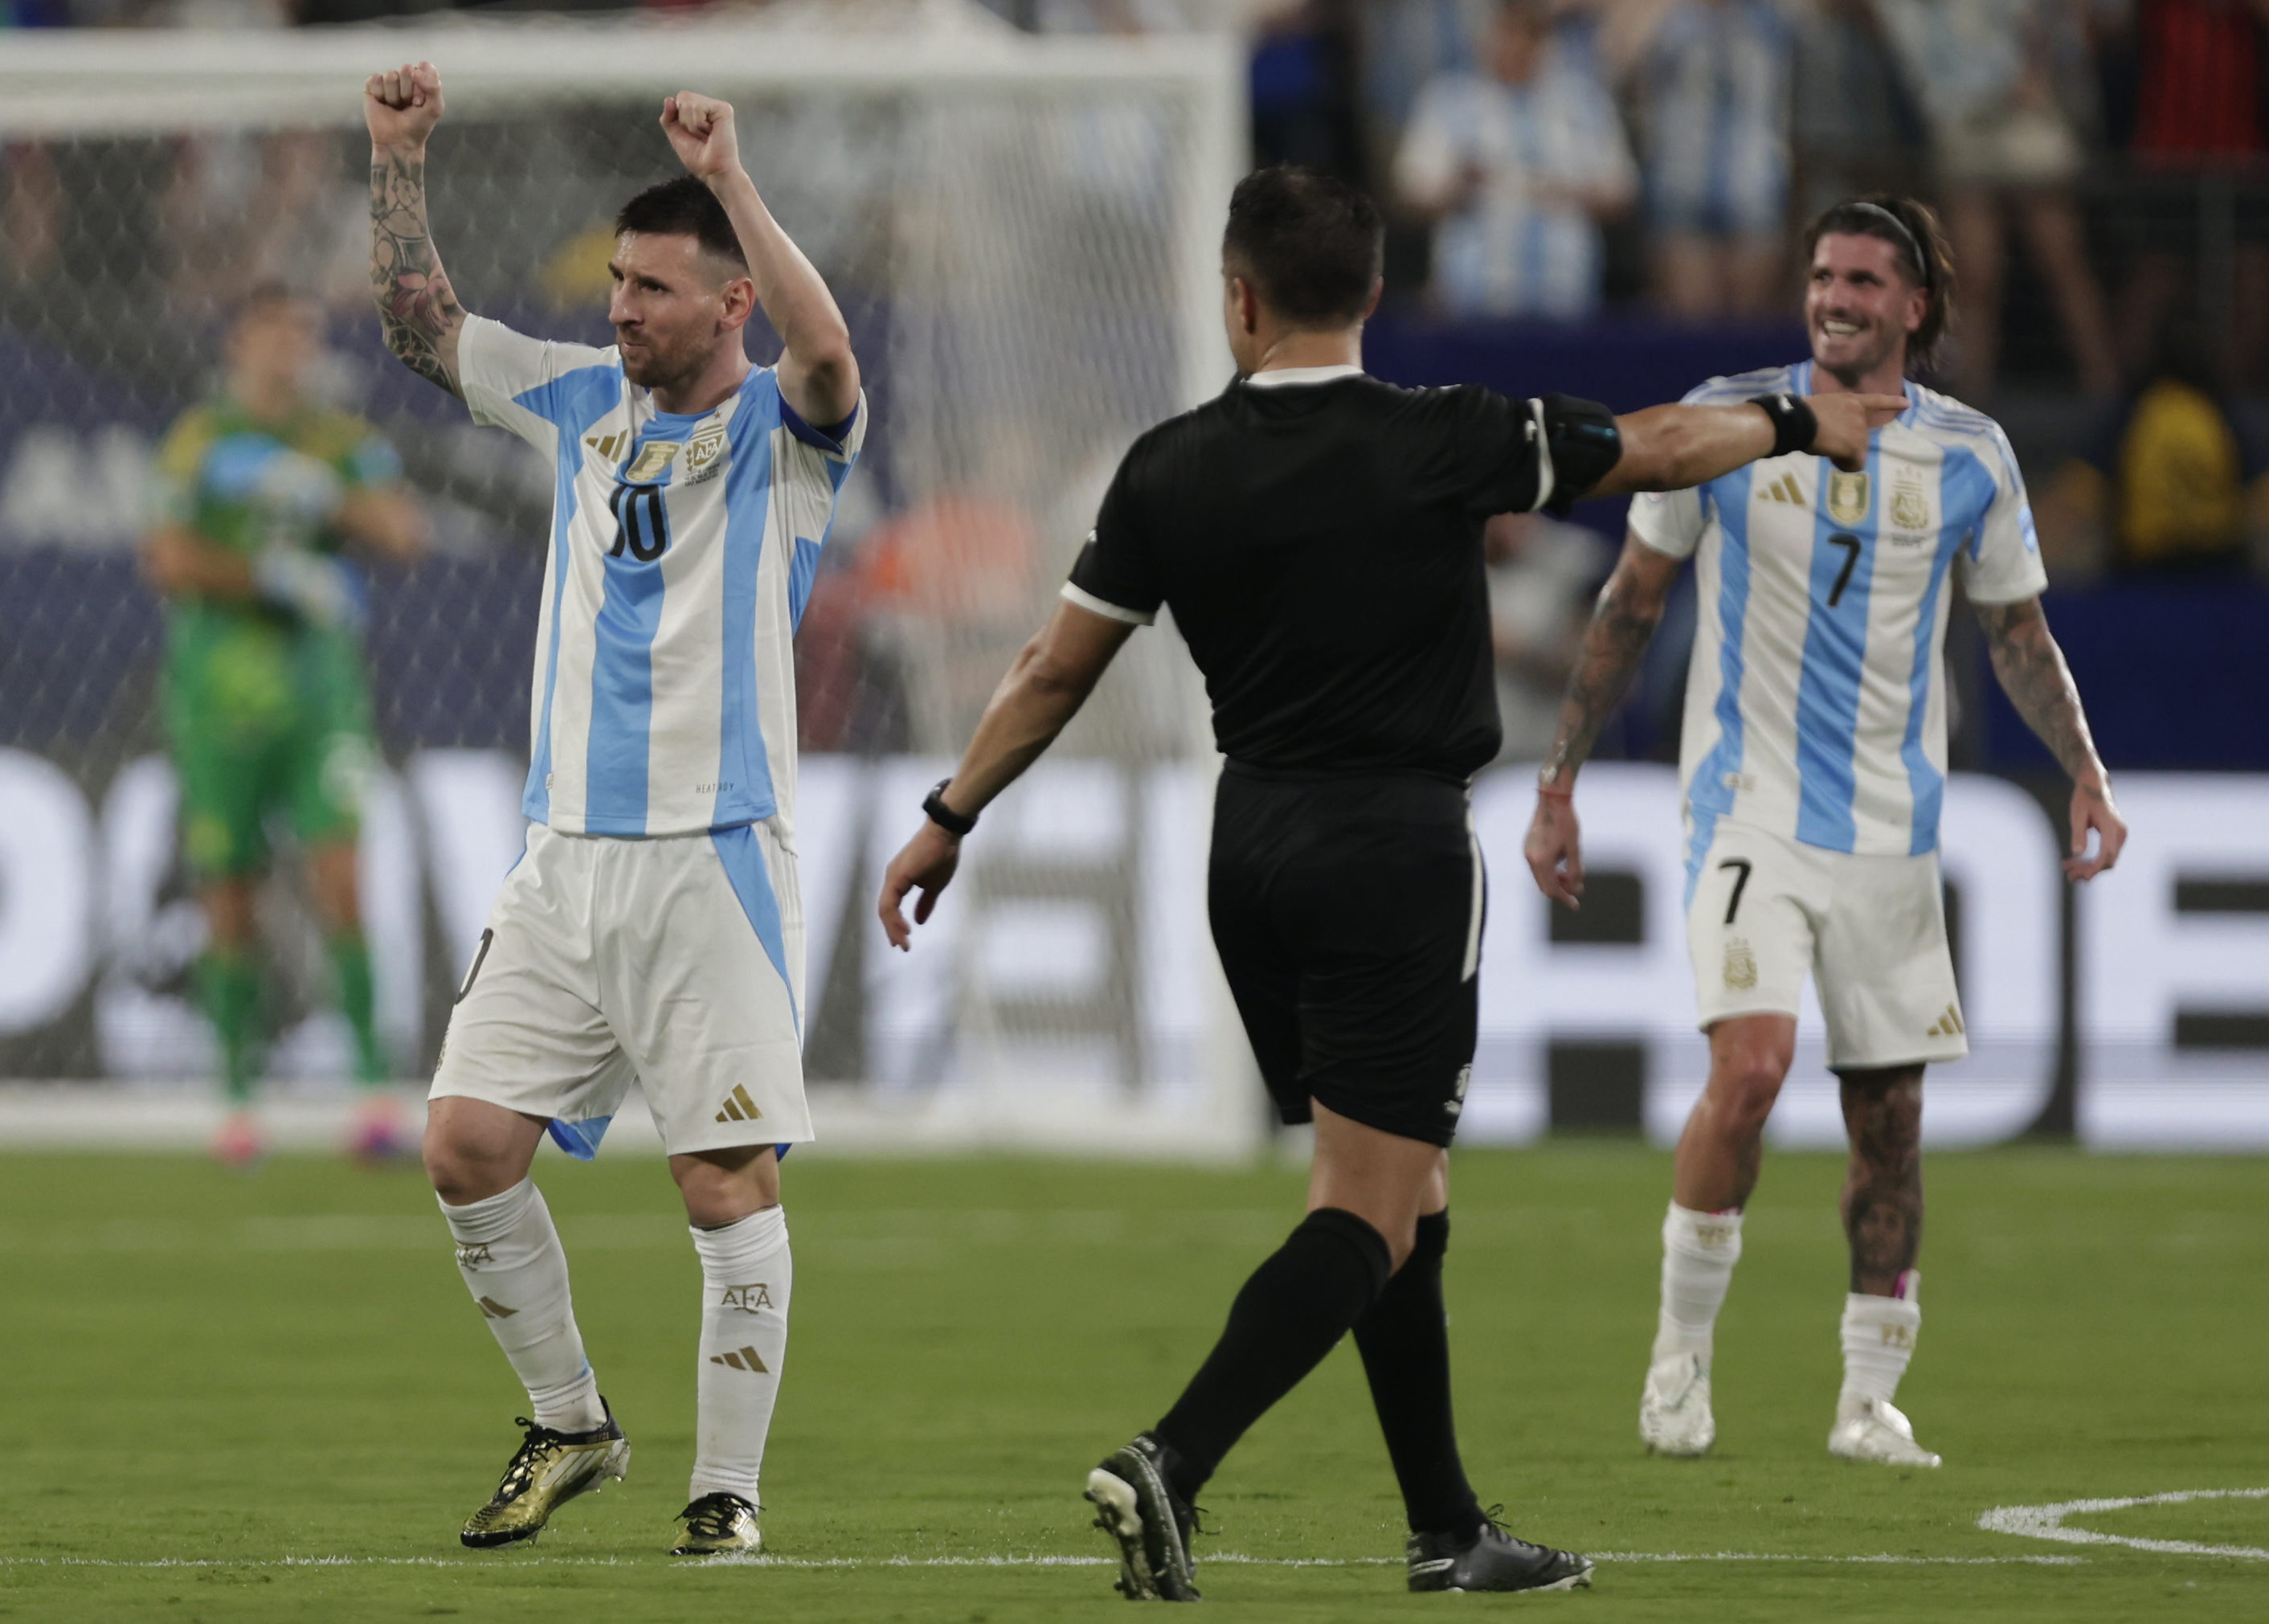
x=1022, y=233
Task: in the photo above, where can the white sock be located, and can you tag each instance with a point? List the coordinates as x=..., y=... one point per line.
x=509, y=1253
x=1879, y=1339
x=1699, y=1251
x=746, y=1275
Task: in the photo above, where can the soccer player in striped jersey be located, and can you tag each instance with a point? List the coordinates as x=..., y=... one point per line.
x=654, y=930
x=1814, y=764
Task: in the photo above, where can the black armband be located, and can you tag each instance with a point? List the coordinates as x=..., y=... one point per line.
x=1794, y=427
x=944, y=816
x=1584, y=445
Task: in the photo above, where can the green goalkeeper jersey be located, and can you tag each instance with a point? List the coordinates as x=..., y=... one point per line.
x=268, y=712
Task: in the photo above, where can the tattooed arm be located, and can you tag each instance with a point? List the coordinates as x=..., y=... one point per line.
x=1622, y=625
x=2033, y=674
x=416, y=305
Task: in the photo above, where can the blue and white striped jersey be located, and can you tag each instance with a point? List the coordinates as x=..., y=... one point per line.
x=683, y=551
x=1816, y=703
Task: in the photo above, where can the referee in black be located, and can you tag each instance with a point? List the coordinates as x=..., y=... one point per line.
x=1317, y=535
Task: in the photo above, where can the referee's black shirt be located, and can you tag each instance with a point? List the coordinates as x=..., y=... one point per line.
x=1318, y=540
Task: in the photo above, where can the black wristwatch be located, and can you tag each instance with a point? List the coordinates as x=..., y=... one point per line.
x=1794, y=427
x=944, y=816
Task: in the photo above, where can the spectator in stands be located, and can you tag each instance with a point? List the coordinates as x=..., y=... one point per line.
x=1517, y=166
x=1712, y=91
x=1856, y=129
x=1543, y=573
x=2176, y=479
x=2001, y=144
x=2197, y=88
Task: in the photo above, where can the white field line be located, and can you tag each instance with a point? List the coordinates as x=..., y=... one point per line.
x=1227, y=1559
x=2047, y=1523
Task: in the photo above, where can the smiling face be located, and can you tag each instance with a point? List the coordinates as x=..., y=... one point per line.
x=1860, y=309
x=674, y=307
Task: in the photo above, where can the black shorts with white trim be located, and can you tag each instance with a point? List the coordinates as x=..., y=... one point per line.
x=1348, y=911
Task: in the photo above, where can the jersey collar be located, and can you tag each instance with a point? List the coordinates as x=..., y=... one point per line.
x=1284, y=375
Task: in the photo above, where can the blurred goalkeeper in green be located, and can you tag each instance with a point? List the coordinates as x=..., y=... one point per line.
x=264, y=697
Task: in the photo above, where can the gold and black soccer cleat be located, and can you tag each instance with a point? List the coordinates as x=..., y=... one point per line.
x=547, y=1471
x=718, y=1525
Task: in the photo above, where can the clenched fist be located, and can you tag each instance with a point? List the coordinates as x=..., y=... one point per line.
x=402, y=104
x=700, y=130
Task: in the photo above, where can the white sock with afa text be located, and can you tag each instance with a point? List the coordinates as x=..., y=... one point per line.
x=509, y=1254
x=1699, y=1251
x=1879, y=1339
x=746, y=1277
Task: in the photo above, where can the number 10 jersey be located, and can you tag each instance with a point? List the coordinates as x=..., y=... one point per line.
x=683, y=547
x=1815, y=702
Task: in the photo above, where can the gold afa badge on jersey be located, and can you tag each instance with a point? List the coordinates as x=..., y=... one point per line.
x=1910, y=508
x=1847, y=498
x=702, y=453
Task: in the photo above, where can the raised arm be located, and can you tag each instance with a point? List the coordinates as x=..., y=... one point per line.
x=1622, y=625
x=1049, y=680
x=818, y=374
x=1673, y=447
x=2033, y=674
x=416, y=306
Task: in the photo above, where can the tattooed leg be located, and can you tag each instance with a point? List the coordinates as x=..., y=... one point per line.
x=1882, y=1191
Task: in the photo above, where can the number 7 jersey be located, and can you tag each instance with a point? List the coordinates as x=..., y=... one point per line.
x=683, y=551
x=1815, y=702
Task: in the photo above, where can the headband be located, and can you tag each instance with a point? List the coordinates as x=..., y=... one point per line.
x=1915, y=255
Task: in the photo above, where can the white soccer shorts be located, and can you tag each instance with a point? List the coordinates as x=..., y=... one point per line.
x=1762, y=910
x=675, y=961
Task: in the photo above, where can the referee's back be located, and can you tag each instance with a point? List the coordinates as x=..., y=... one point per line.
x=1317, y=534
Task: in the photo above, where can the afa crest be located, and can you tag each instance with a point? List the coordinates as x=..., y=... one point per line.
x=1741, y=966
x=703, y=451
x=1910, y=508
x=1847, y=498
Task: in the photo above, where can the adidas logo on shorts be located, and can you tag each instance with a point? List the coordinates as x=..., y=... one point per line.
x=1949, y=1024
x=739, y=1107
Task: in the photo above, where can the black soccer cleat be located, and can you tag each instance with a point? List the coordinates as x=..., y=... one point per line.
x=1492, y=1560
x=1152, y=1524
x=548, y=1469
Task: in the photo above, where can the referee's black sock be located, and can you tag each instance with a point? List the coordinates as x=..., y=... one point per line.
x=1405, y=1343
x=1290, y=1314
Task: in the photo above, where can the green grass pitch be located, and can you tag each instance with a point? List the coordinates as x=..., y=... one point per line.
x=267, y=1397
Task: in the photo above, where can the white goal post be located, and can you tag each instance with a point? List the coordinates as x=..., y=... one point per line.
x=1025, y=233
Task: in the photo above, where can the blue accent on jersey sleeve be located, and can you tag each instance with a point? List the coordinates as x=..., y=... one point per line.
x=580, y=1139
x=1708, y=791
x=1828, y=683
x=742, y=763
x=831, y=439
x=752, y=883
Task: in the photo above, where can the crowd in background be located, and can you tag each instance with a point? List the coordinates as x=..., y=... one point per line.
x=2102, y=167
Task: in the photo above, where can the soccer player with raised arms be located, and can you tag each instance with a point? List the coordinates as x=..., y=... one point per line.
x=653, y=931
x=1317, y=534
x=1814, y=766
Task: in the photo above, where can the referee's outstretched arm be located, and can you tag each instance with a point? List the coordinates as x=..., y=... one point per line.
x=1673, y=447
x=1049, y=680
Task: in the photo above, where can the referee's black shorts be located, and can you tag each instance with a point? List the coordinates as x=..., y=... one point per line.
x=1348, y=911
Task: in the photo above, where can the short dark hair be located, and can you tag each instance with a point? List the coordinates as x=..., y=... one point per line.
x=683, y=207
x=1925, y=257
x=1309, y=243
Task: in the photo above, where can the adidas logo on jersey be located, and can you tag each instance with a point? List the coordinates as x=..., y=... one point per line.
x=739, y=1107
x=1949, y=1024
x=1787, y=489
x=608, y=445
x=741, y=1359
